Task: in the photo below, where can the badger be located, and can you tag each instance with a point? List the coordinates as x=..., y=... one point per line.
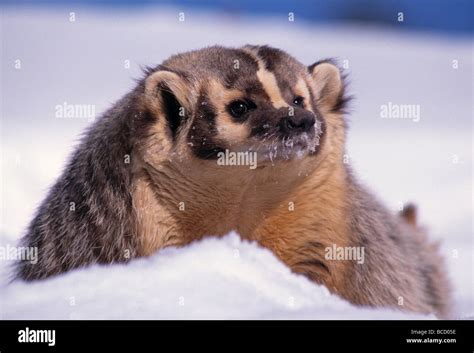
x=149, y=174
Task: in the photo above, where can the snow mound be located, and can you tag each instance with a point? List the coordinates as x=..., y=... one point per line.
x=216, y=278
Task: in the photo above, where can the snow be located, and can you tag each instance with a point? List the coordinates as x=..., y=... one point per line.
x=428, y=162
x=213, y=279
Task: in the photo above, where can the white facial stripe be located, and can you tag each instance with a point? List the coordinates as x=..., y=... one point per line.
x=270, y=85
x=268, y=81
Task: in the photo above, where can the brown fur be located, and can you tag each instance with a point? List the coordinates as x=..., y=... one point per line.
x=296, y=207
x=256, y=205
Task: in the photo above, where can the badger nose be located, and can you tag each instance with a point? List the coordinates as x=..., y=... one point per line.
x=298, y=123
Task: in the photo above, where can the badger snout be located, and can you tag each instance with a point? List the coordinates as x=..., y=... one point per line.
x=302, y=122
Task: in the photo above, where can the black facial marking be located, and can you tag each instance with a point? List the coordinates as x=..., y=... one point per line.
x=202, y=133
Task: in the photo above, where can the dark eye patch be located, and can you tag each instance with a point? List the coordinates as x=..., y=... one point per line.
x=239, y=108
x=298, y=101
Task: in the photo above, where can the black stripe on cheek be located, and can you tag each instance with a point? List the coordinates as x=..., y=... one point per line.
x=203, y=131
x=171, y=108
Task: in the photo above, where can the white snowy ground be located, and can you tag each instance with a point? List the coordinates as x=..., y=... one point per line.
x=428, y=162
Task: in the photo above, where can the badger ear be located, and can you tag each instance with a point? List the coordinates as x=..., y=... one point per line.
x=328, y=85
x=166, y=95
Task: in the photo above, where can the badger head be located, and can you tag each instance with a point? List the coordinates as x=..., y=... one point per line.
x=255, y=99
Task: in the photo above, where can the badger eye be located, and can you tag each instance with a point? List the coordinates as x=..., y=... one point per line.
x=298, y=101
x=238, y=108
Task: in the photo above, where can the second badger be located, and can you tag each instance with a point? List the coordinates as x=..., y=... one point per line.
x=146, y=176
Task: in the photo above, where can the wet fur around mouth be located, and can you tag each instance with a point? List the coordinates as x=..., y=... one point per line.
x=284, y=148
x=271, y=146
